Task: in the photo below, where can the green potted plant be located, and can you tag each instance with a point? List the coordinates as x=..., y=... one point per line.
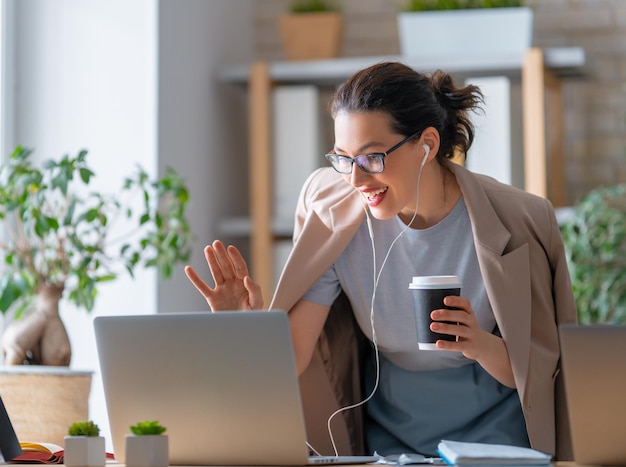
x=312, y=29
x=465, y=28
x=84, y=447
x=595, y=243
x=147, y=446
x=430, y=5
x=60, y=241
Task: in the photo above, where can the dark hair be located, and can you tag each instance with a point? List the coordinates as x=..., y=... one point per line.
x=414, y=101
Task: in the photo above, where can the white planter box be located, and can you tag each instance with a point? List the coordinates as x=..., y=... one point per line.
x=501, y=32
x=84, y=451
x=147, y=451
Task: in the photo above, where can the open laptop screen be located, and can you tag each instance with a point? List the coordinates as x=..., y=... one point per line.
x=9, y=444
x=594, y=371
x=224, y=385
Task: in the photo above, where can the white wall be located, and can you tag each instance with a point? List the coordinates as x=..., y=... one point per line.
x=7, y=79
x=202, y=126
x=133, y=82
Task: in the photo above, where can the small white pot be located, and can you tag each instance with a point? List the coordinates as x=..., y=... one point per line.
x=147, y=451
x=84, y=451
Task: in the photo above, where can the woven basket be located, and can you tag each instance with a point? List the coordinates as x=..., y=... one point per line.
x=42, y=402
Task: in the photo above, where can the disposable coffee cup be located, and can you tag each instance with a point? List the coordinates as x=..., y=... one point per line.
x=428, y=293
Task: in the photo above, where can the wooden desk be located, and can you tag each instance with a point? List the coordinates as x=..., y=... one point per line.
x=556, y=464
x=540, y=70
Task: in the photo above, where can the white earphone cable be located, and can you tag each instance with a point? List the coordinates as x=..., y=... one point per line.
x=376, y=280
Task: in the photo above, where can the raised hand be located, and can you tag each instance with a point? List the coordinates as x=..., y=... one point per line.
x=234, y=289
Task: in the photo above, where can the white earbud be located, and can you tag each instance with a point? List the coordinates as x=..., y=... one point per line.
x=427, y=151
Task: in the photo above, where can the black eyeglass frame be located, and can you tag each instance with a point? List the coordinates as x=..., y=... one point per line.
x=335, y=158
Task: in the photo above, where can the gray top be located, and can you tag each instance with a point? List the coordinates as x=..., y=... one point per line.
x=444, y=249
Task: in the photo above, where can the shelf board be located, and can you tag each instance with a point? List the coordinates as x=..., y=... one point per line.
x=562, y=61
x=537, y=68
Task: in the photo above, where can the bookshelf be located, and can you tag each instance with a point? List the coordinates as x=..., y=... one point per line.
x=540, y=71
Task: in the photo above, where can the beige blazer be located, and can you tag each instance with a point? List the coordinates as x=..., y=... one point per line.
x=524, y=268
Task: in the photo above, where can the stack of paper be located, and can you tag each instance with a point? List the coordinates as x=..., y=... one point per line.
x=471, y=454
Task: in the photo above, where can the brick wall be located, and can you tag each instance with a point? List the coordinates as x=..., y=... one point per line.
x=595, y=107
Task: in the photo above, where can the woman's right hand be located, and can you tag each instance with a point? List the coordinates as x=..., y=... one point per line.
x=234, y=289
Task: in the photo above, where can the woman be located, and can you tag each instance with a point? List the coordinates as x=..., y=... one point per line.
x=396, y=206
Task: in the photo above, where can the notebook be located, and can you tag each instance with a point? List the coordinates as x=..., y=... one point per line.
x=223, y=384
x=594, y=371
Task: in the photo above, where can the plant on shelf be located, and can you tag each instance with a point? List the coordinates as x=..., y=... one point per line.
x=595, y=243
x=147, y=428
x=61, y=240
x=312, y=29
x=312, y=6
x=477, y=28
x=428, y=5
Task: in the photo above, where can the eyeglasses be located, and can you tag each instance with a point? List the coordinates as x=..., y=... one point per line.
x=372, y=163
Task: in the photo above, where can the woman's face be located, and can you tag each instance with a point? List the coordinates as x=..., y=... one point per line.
x=394, y=190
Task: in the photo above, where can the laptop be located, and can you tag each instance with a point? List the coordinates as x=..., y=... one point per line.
x=594, y=371
x=223, y=384
x=9, y=444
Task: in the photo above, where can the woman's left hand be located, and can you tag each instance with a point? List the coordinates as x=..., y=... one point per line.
x=470, y=337
x=472, y=341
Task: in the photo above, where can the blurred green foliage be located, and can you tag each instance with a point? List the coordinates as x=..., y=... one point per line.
x=58, y=235
x=427, y=5
x=595, y=243
x=312, y=6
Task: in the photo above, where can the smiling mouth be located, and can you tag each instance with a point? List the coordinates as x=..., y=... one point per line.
x=372, y=195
